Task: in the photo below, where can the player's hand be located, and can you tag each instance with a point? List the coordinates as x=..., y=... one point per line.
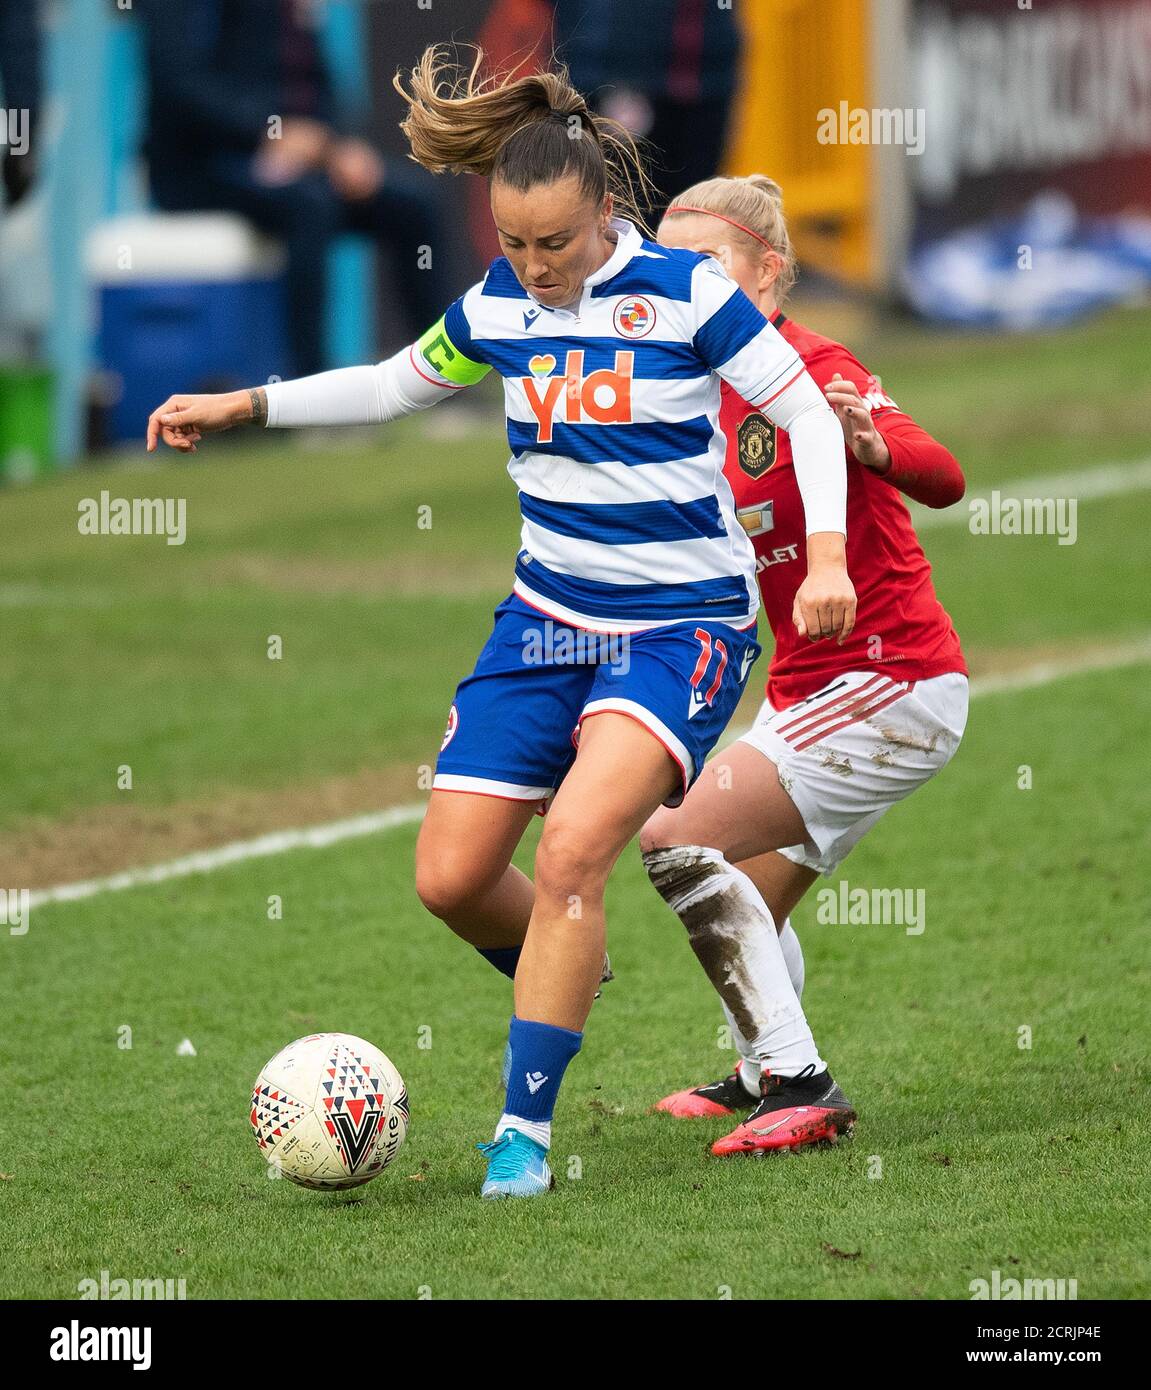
x=863, y=439
x=825, y=602
x=181, y=420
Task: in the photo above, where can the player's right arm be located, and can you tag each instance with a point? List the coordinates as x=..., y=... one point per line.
x=735, y=340
x=418, y=376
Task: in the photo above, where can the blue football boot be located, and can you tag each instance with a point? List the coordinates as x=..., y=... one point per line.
x=517, y=1167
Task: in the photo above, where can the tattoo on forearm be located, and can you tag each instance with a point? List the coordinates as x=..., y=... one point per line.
x=259, y=399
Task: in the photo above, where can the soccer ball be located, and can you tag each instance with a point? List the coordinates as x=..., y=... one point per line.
x=330, y=1111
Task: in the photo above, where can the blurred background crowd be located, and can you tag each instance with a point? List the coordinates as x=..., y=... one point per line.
x=200, y=194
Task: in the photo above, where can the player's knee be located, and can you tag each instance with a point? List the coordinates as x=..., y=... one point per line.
x=680, y=874
x=569, y=863
x=446, y=888
x=658, y=831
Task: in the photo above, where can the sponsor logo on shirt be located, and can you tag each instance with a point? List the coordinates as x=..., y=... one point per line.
x=759, y=518
x=779, y=556
x=602, y=397
x=877, y=398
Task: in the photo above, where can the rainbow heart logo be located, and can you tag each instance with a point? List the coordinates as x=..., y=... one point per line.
x=542, y=365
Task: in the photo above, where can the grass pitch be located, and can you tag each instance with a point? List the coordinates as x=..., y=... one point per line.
x=974, y=1151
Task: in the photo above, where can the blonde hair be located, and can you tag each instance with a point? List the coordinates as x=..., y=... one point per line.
x=521, y=130
x=754, y=202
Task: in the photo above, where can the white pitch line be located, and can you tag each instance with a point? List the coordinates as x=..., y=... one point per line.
x=206, y=861
x=1085, y=484
x=1133, y=653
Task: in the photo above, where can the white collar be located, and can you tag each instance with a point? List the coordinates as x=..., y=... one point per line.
x=627, y=244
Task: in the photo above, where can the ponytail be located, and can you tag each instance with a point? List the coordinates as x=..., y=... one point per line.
x=522, y=131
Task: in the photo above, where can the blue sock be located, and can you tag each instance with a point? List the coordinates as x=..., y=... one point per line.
x=540, y=1055
x=504, y=958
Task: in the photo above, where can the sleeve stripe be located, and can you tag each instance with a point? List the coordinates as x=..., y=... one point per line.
x=733, y=325
x=783, y=388
x=447, y=385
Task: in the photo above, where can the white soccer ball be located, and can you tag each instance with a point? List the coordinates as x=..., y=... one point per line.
x=330, y=1111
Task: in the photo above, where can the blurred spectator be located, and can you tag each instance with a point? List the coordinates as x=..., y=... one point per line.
x=243, y=117
x=20, y=78
x=667, y=69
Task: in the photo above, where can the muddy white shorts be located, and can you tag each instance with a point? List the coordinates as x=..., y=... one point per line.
x=849, y=752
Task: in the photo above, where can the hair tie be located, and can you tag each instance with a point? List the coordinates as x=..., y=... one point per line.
x=683, y=207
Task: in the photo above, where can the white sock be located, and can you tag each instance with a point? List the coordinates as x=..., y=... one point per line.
x=749, y=1069
x=732, y=932
x=539, y=1130
x=793, y=955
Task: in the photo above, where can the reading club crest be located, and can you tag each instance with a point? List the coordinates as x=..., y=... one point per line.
x=634, y=317
x=453, y=725
x=756, y=439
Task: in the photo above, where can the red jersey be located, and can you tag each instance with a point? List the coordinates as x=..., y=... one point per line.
x=900, y=625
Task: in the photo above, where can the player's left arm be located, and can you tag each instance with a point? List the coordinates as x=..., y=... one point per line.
x=887, y=440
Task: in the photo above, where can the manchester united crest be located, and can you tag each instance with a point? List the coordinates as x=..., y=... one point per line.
x=756, y=441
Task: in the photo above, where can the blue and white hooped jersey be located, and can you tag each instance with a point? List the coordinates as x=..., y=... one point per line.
x=613, y=421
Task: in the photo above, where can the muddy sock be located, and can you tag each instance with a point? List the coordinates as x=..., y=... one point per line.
x=733, y=935
x=749, y=1071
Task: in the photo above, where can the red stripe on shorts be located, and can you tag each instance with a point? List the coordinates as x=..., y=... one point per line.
x=855, y=715
x=796, y=728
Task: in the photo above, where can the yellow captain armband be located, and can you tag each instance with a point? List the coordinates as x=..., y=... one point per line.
x=442, y=355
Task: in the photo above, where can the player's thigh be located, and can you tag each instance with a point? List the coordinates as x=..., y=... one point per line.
x=781, y=883
x=737, y=807
x=465, y=845
x=621, y=773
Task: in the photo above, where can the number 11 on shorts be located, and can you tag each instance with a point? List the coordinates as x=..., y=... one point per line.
x=707, y=649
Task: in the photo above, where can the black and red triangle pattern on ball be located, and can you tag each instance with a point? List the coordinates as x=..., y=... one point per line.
x=273, y=1112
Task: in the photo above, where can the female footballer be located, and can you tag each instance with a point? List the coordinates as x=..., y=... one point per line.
x=848, y=727
x=612, y=350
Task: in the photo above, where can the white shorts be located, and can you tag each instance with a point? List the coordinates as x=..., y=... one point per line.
x=853, y=749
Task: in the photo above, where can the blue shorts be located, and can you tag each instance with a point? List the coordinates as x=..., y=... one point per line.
x=513, y=728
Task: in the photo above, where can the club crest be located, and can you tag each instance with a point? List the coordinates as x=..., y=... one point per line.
x=634, y=317
x=756, y=444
